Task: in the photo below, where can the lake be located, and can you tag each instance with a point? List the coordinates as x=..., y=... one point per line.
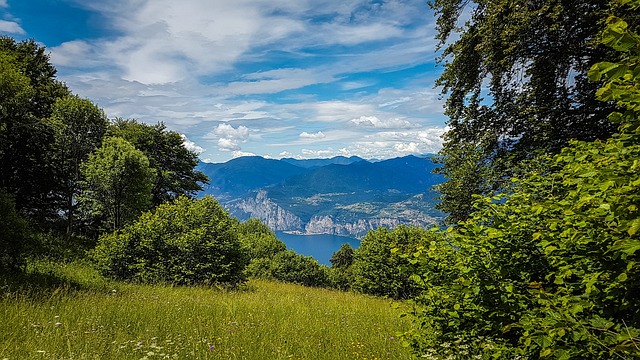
x=320, y=246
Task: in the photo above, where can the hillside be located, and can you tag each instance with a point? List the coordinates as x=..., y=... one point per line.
x=342, y=196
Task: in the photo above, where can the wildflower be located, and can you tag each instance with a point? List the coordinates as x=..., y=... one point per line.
x=212, y=347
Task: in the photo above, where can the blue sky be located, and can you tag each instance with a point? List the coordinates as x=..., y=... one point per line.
x=276, y=78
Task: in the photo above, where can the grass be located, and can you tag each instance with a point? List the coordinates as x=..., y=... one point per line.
x=70, y=312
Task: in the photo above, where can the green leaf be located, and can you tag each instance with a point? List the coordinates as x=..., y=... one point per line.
x=634, y=226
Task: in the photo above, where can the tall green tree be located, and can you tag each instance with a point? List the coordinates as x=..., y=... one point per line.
x=516, y=85
x=117, y=183
x=29, y=89
x=174, y=164
x=79, y=126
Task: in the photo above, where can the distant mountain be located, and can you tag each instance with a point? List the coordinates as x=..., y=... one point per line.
x=239, y=176
x=316, y=163
x=345, y=196
x=408, y=174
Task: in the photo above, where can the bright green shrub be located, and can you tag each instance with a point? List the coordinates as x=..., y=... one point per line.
x=376, y=270
x=259, y=240
x=184, y=242
x=288, y=266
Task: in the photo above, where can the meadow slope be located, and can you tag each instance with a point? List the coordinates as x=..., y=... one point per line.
x=70, y=312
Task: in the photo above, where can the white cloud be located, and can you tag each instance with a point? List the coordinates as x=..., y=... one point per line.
x=411, y=148
x=190, y=145
x=225, y=144
x=228, y=131
x=11, y=27
x=164, y=41
x=321, y=154
x=77, y=53
x=351, y=35
x=3, y=4
x=237, y=154
x=228, y=137
x=375, y=122
x=306, y=135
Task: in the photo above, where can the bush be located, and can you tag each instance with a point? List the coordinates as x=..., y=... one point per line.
x=341, y=273
x=288, y=266
x=259, y=240
x=15, y=238
x=184, y=242
x=379, y=271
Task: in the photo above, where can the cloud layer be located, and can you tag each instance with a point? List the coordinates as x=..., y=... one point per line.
x=306, y=78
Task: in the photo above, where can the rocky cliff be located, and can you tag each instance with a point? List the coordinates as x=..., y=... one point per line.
x=359, y=228
x=278, y=219
x=263, y=208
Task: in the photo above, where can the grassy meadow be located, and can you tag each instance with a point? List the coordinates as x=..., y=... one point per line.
x=71, y=312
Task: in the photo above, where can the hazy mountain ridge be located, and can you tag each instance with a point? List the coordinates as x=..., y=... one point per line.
x=345, y=196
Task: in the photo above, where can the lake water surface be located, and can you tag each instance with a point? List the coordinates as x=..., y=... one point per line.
x=321, y=246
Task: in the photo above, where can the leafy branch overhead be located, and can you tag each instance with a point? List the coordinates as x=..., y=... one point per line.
x=515, y=77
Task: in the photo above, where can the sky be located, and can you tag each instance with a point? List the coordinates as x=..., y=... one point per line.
x=274, y=78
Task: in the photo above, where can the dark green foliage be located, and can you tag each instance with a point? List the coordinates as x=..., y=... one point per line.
x=117, y=183
x=29, y=89
x=550, y=268
x=15, y=237
x=516, y=80
x=379, y=271
x=174, y=164
x=184, y=242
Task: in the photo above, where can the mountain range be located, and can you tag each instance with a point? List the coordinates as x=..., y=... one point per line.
x=341, y=196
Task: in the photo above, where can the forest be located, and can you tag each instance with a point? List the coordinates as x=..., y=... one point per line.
x=538, y=257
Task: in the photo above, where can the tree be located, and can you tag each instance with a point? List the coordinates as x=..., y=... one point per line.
x=117, y=183
x=80, y=127
x=29, y=89
x=516, y=80
x=33, y=62
x=184, y=242
x=174, y=164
